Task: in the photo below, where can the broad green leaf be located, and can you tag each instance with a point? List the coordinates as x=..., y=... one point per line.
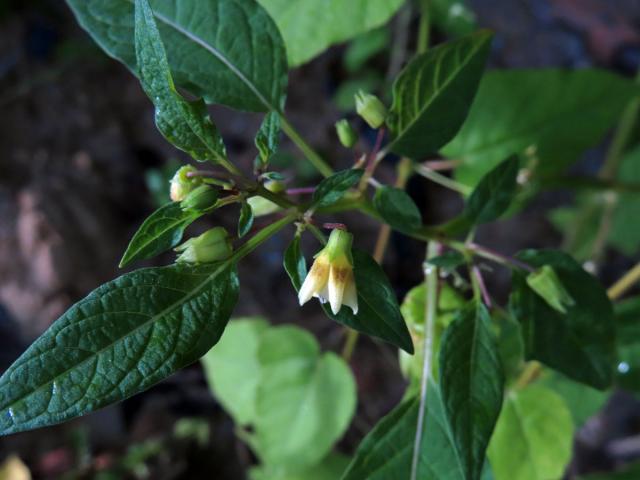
x=185, y=124
x=310, y=27
x=494, y=194
x=305, y=399
x=582, y=401
x=533, y=437
x=559, y=113
x=432, y=95
x=332, y=189
x=454, y=17
x=330, y=468
x=413, y=312
x=627, y=315
x=245, y=221
x=236, y=57
x=233, y=370
x=124, y=337
x=397, y=208
x=378, y=311
x=386, y=452
x=268, y=137
x=161, y=231
x=294, y=263
x=580, y=343
x=471, y=382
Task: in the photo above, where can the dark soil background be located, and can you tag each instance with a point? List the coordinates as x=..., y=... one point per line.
x=77, y=141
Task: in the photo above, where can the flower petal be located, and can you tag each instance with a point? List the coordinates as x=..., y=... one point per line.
x=351, y=295
x=316, y=280
x=337, y=281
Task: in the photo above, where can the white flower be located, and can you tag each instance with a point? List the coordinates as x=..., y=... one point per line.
x=331, y=276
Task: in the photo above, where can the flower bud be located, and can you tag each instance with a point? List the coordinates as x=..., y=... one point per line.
x=331, y=276
x=346, y=134
x=261, y=206
x=200, y=198
x=546, y=283
x=371, y=109
x=213, y=245
x=181, y=184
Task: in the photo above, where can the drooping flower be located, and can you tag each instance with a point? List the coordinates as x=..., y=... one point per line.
x=331, y=276
x=212, y=246
x=182, y=184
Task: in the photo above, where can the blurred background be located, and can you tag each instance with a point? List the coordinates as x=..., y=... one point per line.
x=82, y=164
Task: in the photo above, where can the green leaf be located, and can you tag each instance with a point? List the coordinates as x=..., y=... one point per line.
x=245, y=222
x=332, y=189
x=386, y=452
x=310, y=27
x=233, y=370
x=471, y=381
x=494, y=194
x=454, y=17
x=572, y=111
x=448, y=261
x=580, y=343
x=582, y=401
x=124, y=337
x=268, y=137
x=627, y=316
x=185, y=124
x=236, y=57
x=294, y=263
x=161, y=231
x=625, y=230
x=397, y=208
x=378, y=311
x=305, y=400
x=432, y=95
x=330, y=468
x=533, y=437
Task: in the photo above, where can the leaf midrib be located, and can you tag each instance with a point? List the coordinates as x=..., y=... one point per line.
x=216, y=53
x=96, y=354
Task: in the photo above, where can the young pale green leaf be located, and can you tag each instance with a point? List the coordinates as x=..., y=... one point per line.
x=580, y=343
x=505, y=121
x=245, y=221
x=397, y=208
x=471, y=381
x=533, y=437
x=236, y=357
x=330, y=468
x=582, y=401
x=124, y=337
x=236, y=57
x=385, y=453
x=309, y=27
x=161, y=231
x=294, y=263
x=332, y=189
x=378, y=311
x=305, y=400
x=185, y=124
x=494, y=194
x=268, y=137
x=432, y=95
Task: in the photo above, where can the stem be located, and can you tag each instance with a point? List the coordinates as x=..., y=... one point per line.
x=529, y=374
x=316, y=160
x=424, y=27
x=431, y=305
x=349, y=344
x=263, y=235
x=279, y=200
x=482, y=286
x=490, y=254
x=442, y=180
x=627, y=281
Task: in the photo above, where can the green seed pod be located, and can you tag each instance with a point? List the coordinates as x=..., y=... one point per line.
x=201, y=198
x=346, y=134
x=371, y=109
x=212, y=246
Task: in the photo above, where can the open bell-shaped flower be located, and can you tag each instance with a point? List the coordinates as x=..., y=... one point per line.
x=331, y=276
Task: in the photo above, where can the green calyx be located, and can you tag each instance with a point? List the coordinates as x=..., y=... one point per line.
x=339, y=246
x=371, y=109
x=212, y=246
x=346, y=134
x=201, y=198
x=546, y=283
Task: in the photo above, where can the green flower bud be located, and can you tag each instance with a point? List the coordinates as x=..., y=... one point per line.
x=261, y=206
x=212, y=246
x=546, y=283
x=181, y=184
x=371, y=109
x=346, y=134
x=200, y=198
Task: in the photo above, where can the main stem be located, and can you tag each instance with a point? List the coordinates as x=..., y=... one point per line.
x=314, y=158
x=431, y=307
